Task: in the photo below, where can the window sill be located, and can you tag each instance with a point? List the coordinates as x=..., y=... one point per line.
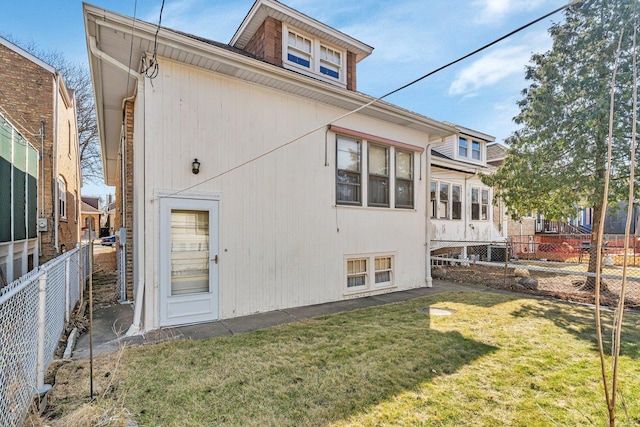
x=357, y=293
x=375, y=208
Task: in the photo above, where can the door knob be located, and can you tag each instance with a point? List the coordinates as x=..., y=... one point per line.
x=215, y=259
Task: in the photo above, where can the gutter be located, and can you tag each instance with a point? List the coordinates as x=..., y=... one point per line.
x=138, y=185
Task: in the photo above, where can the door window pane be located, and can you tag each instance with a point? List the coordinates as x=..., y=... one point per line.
x=189, y=252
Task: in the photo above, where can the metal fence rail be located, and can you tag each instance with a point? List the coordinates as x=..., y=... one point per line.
x=553, y=265
x=33, y=312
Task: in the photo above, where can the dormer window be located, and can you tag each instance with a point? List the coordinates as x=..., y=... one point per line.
x=470, y=149
x=330, y=63
x=299, y=50
x=313, y=57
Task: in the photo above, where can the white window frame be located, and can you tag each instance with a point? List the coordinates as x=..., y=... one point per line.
x=370, y=273
x=315, y=57
x=365, y=175
x=62, y=198
x=480, y=203
x=469, y=151
x=435, y=203
x=409, y=182
x=357, y=186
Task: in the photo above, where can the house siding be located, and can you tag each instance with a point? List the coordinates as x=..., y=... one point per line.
x=283, y=241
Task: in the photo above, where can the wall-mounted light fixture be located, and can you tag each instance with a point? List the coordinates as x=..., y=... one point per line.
x=195, y=166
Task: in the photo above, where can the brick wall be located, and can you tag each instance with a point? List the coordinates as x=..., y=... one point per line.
x=29, y=99
x=351, y=71
x=266, y=43
x=124, y=191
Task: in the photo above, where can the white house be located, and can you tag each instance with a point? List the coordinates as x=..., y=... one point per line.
x=461, y=207
x=243, y=185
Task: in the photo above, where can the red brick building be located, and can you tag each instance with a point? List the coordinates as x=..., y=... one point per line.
x=37, y=107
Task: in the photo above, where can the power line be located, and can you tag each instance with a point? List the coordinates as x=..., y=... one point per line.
x=152, y=70
x=475, y=52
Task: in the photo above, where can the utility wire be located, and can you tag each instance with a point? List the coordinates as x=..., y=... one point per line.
x=152, y=70
x=462, y=58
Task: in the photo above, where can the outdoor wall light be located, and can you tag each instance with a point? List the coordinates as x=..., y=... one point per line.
x=195, y=166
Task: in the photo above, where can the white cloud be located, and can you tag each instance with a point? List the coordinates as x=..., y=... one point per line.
x=493, y=11
x=490, y=69
x=499, y=65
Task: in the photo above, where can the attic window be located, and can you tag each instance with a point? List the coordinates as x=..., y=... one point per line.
x=299, y=50
x=470, y=149
x=312, y=56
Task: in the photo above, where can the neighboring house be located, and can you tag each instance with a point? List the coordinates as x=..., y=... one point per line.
x=18, y=203
x=91, y=220
x=460, y=205
x=36, y=107
x=328, y=214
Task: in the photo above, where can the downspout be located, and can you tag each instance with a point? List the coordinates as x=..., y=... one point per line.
x=42, y=158
x=56, y=195
x=138, y=185
x=428, y=279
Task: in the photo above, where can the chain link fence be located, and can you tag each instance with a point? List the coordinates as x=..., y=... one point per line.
x=547, y=265
x=33, y=312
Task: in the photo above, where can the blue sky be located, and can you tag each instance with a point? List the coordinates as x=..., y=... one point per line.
x=410, y=38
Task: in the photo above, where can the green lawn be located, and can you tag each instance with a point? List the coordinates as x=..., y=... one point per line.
x=498, y=360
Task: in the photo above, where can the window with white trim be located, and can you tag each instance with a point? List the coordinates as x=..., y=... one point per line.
x=446, y=200
x=299, y=49
x=404, y=179
x=475, y=150
x=357, y=273
x=378, y=176
x=330, y=62
x=311, y=56
x=479, y=204
x=470, y=149
x=363, y=167
x=456, y=201
x=348, y=171
x=462, y=147
x=383, y=266
x=370, y=271
x=62, y=197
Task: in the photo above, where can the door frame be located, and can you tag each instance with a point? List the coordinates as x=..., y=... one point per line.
x=205, y=305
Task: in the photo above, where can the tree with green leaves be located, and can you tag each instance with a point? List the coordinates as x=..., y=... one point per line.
x=557, y=159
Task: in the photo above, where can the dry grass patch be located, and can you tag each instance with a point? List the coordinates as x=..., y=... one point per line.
x=498, y=360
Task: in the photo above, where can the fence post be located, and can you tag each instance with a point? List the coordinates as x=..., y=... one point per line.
x=67, y=288
x=42, y=313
